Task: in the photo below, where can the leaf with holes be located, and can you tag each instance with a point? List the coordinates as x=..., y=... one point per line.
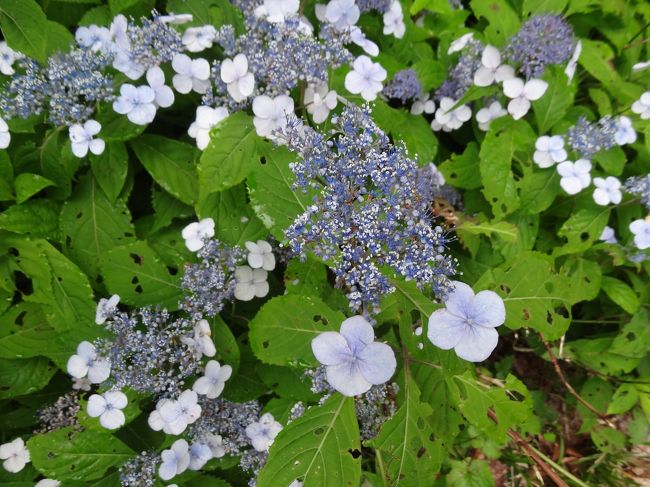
x=462, y=171
x=321, y=448
x=582, y=229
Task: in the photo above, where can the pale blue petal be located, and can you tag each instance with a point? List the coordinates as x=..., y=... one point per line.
x=377, y=363
x=330, y=348
x=459, y=300
x=445, y=330
x=477, y=344
x=488, y=309
x=347, y=379
x=358, y=332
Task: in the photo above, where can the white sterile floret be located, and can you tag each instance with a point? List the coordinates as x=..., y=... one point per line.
x=163, y=94
x=201, y=343
x=608, y=235
x=87, y=362
x=175, y=415
x=640, y=66
x=491, y=69
x=449, y=119
x=213, y=381
x=108, y=407
x=47, y=483
x=625, y=133
x=124, y=63
x=263, y=432
x=423, y=104
x=7, y=58
x=642, y=106
x=460, y=43
x=277, y=11
x=215, y=443
x=608, y=190
x=5, y=136
x=93, y=37
x=15, y=455
x=365, y=78
x=354, y=361
x=199, y=456
x=260, y=255
x=394, y=20
x=81, y=138
x=319, y=102
x=522, y=93
x=575, y=175
x=549, y=151
x=197, y=39
x=641, y=230
x=206, y=118
x=342, y=13
x=175, y=460
x=176, y=19
x=239, y=81
x=119, y=32
x=250, y=283
x=485, y=115
x=358, y=37
x=271, y=114
x=196, y=233
x=571, y=66
x=137, y=103
x=191, y=74
x=106, y=308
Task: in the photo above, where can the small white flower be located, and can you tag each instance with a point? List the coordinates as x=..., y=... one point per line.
x=276, y=11
x=575, y=175
x=202, y=340
x=608, y=190
x=164, y=96
x=642, y=106
x=271, y=114
x=641, y=230
x=119, y=32
x=106, y=308
x=196, y=233
x=357, y=37
x=250, y=283
x=608, y=235
x=177, y=414
x=485, y=115
x=197, y=39
x=81, y=138
x=522, y=94
x=15, y=455
x=213, y=381
x=7, y=58
x=137, y=103
x=640, y=66
x=206, y=118
x=199, y=456
x=625, y=133
x=174, y=460
x=191, y=74
x=87, y=362
x=108, y=408
x=423, y=104
x=365, y=78
x=263, y=432
x=47, y=483
x=176, y=19
x=549, y=151
x=82, y=384
x=215, y=443
x=5, y=136
x=239, y=81
x=394, y=20
x=460, y=43
x=94, y=38
x=449, y=119
x=260, y=255
x=125, y=63
x=342, y=13
x=491, y=69
x=571, y=66
x=319, y=102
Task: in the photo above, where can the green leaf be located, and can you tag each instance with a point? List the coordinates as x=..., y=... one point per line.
x=416, y=134
x=634, y=340
x=24, y=26
x=58, y=164
x=624, y=399
x=226, y=343
x=135, y=272
x=621, y=294
x=504, y=230
x=21, y=377
x=24, y=332
x=538, y=190
x=558, y=98
x=499, y=187
x=462, y=171
x=110, y=168
x=502, y=19
x=200, y=10
x=6, y=177
x=170, y=163
x=582, y=229
x=27, y=185
x=282, y=330
x=608, y=440
x=273, y=199
x=59, y=38
x=318, y=448
x=470, y=473
x=542, y=6
x=66, y=454
x=431, y=73
x=116, y=127
x=612, y=160
x=405, y=442
x=585, y=277
x=37, y=218
x=597, y=59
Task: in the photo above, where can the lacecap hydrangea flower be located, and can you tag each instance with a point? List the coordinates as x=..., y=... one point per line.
x=262, y=433
x=15, y=455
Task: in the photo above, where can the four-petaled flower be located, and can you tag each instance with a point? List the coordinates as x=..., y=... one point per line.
x=7, y=58
x=449, y=119
x=177, y=414
x=608, y=190
x=271, y=114
x=81, y=138
x=522, y=93
x=625, y=133
x=642, y=106
x=276, y=11
x=215, y=443
x=423, y=104
x=108, y=408
x=106, y=308
x=354, y=361
x=15, y=455
x=137, y=103
x=576, y=176
x=93, y=37
x=239, y=81
x=491, y=69
x=197, y=39
x=87, y=362
x=365, y=78
x=195, y=234
x=485, y=115
x=549, y=151
x=191, y=74
x=199, y=456
x=641, y=230
x=174, y=460
x=394, y=20
x=319, y=102
x=263, y=432
x=213, y=381
x=342, y=13
x=467, y=323
x=250, y=283
x=260, y=255
x=206, y=118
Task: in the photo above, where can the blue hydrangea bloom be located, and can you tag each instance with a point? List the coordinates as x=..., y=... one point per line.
x=468, y=322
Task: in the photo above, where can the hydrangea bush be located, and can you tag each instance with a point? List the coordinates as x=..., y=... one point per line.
x=360, y=242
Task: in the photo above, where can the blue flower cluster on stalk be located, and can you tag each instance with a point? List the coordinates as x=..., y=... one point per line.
x=404, y=86
x=461, y=76
x=587, y=138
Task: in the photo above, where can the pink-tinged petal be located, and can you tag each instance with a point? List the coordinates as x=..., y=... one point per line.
x=477, y=344
x=357, y=331
x=347, y=379
x=488, y=309
x=112, y=419
x=445, y=330
x=377, y=363
x=331, y=348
